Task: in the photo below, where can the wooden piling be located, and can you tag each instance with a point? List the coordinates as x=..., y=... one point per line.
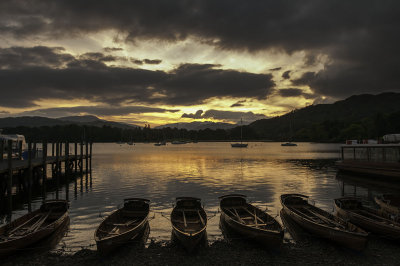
x=76, y=157
x=30, y=169
x=87, y=162
x=10, y=174
x=34, y=150
x=57, y=168
x=90, y=156
x=1, y=150
x=67, y=170
x=81, y=159
x=44, y=168
x=52, y=149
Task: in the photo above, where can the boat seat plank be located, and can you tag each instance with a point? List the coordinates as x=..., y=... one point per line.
x=255, y=217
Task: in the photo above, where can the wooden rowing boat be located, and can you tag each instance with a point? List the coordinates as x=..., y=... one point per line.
x=33, y=227
x=189, y=222
x=372, y=220
x=322, y=223
x=122, y=225
x=249, y=221
x=389, y=203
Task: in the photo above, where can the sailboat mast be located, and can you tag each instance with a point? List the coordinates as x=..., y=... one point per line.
x=241, y=131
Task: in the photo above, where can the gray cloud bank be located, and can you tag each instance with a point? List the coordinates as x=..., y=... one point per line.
x=360, y=38
x=247, y=117
x=31, y=74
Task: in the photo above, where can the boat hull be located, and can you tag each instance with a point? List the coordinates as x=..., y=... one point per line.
x=269, y=239
x=385, y=204
x=352, y=240
x=131, y=220
x=190, y=242
x=390, y=229
x=108, y=245
x=8, y=247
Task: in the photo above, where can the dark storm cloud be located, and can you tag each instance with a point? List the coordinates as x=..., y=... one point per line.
x=238, y=103
x=286, y=74
x=195, y=83
x=146, y=61
x=247, y=117
x=275, y=69
x=152, y=61
x=112, y=49
x=18, y=57
x=96, y=110
x=360, y=38
x=88, y=77
x=294, y=92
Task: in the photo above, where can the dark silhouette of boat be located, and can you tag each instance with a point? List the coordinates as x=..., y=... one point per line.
x=33, y=226
x=122, y=225
x=372, y=220
x=189, y=222
x=322, y=223
x=249, y=221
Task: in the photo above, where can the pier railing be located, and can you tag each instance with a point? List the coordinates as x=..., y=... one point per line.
x=19, y=168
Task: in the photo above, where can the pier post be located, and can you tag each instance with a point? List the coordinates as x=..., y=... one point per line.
x=34, y=150
x=57, y=168
x=67, y=170
x=52, y=149
x=90, y=156
x=1, y=150
x=10, y=175
x=29, y=176
x=87, y=162
x=76, y=158
x=81, y=165
x=44, y=174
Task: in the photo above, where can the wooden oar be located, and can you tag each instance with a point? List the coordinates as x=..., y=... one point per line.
x=184, y=218
x=201, y=218
x=39, y=223
x=255, y=216
x=327, y=220
x=22, y=225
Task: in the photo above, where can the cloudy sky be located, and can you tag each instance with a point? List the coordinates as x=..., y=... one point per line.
x=167, y=61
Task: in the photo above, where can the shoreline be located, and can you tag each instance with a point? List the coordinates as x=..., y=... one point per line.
x=310, y=251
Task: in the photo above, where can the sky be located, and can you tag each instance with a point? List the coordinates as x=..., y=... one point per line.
x=169, y=61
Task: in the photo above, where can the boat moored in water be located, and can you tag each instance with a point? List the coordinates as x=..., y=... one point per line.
x=390, y=204
x=122, y=225
x=250, y=221
x=288, y=144
x=372, y=220
x=189, y=222
x=322, y=223
x=33, y=226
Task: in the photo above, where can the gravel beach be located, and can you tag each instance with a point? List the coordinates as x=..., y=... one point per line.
x=312, y=251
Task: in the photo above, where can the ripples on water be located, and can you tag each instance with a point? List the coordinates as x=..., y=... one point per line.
x=263, y=172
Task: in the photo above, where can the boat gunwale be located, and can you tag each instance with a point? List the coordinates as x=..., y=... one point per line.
x=392, y=225
x=98, y=239
x=324, y=226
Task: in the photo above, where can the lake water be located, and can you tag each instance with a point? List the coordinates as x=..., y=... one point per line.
x=263, y=172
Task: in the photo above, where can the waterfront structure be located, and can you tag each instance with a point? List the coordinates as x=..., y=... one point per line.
x=371, y=159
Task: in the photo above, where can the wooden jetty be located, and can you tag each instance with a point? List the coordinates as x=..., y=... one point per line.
x=64, y=159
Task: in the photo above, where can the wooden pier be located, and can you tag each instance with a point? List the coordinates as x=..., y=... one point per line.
x=18, y=175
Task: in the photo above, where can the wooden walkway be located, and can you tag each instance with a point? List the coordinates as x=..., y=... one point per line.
x=36, y=162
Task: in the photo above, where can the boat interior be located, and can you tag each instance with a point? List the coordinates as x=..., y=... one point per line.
x=356, y=206
x=188, y=216
x=124, y=219
x=238, y=209
x=301, y=207
x=47, y=214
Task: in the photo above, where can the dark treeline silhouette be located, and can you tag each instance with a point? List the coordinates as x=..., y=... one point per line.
x=327, y=131
x=78, y=133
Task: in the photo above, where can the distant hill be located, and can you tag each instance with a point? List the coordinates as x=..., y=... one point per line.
x=361, y=115
x=198, y=125
x=38, y=121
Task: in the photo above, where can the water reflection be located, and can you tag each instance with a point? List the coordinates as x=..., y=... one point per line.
x=263, y=172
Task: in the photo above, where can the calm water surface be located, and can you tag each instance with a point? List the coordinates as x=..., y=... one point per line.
x=263, y=172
